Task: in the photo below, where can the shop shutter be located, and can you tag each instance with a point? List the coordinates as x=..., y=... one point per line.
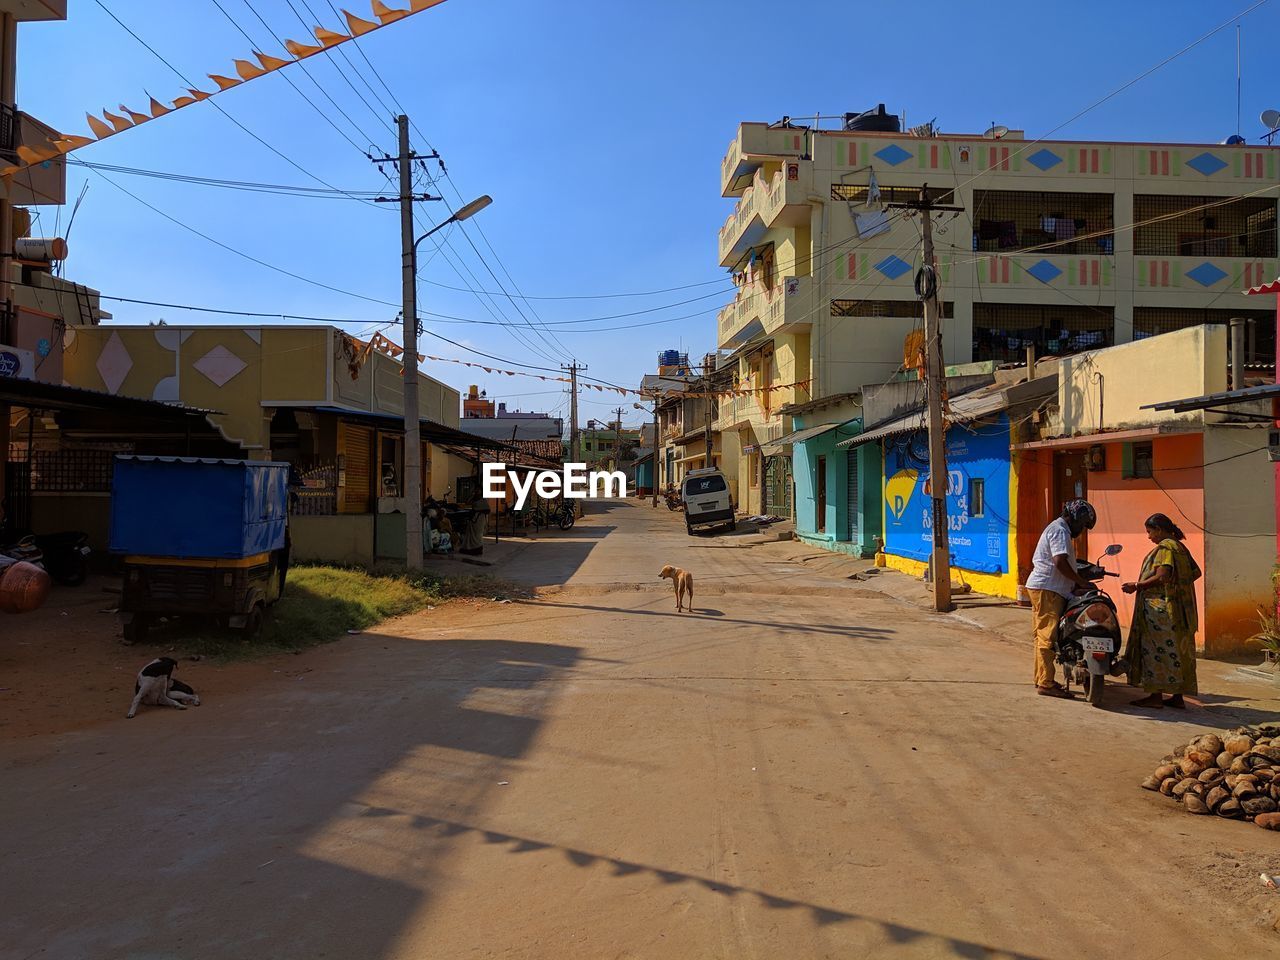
x=853, y=495
x=357, y=451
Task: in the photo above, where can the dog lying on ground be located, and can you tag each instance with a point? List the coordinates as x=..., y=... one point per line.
x=155, y=685
x=682, y=580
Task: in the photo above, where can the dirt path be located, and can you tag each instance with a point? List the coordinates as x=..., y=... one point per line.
x=801, y=768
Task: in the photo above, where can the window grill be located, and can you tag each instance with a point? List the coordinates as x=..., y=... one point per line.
x=313, y=492
x=1003, y=331
x=70, y=469
x=1005, y=221
x=855, y=193
x=1238, y=227
x=908, y=309
x=1260, y=332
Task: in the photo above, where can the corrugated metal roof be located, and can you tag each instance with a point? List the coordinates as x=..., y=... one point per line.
x=982, y=402
x=773, y=447
x=1264, y=391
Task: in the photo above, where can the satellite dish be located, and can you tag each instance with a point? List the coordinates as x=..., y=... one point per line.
x=1271, y=119
x=997, y=132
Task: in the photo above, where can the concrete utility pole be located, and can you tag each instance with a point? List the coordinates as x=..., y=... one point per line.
x=412, y=437
x=655, y=448
x=935, y=381
x=617, y=443
x=706, y=408
x=573, y=369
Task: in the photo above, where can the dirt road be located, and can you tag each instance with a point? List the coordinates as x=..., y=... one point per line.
x=801, y=768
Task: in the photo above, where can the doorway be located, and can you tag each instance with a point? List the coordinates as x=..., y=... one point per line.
x=822, y=494
x=1071, y=482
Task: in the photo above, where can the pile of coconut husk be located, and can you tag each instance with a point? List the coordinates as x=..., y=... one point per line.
x=1235, y=775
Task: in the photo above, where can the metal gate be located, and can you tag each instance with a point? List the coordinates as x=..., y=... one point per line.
x=777, y=486
x=17, y=499
x=854, y=506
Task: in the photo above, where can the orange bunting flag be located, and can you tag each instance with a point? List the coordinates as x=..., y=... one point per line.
x=109, y=124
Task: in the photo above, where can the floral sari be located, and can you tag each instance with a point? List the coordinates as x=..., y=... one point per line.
x=1162, y=640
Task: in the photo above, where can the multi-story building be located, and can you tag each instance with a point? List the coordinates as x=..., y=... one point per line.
x=1060, y=247
x=484, y=419
x=607, y=444
x=686, y=403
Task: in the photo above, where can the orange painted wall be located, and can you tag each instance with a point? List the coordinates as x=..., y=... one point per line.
x=1124, y=505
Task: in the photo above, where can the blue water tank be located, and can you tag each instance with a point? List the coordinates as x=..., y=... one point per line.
x=196, y=508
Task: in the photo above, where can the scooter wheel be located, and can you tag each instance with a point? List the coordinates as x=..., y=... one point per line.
x=1094, y=686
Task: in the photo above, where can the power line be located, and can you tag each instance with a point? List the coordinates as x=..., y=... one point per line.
x=280, y=189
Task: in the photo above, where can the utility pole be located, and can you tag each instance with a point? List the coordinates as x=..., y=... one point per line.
x=617, y=443
x=706, y=411
x=573, y=369
x=412, y=437
x=927, y=291
x=655, y=447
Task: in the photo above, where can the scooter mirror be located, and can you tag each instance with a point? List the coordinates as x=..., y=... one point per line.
x=1112, y=550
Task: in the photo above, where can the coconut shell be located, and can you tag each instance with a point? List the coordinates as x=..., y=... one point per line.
x=1210, y=743
x=1240, y=765
x=1195, y=804
x=1165, y=771
x=1215, y=798
x=1256, y=805
x=1151, y=783
x=1167, y=786
x=1268, y=821
x=1224, y=760
x=1272, y=754
x=1212, y=775
x=1274, y=790
x=1230, y=809
x=1243, y=790
x=1237, y=745
x=1191, y=767
x=1183, y=786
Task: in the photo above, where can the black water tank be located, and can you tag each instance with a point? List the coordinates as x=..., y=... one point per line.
x=875, y=121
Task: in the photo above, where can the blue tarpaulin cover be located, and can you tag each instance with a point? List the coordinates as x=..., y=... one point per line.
x=190, y=507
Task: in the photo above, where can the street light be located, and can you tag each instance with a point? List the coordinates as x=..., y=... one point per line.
x=412, y=435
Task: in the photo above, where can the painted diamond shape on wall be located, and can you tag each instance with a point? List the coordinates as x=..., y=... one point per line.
x=893, y=154
x=1044, y=159
x=220, y=365
x=1206, y=274
x=1044, y=271
x=893, y=266
x=1206, y=163
x=114, y=363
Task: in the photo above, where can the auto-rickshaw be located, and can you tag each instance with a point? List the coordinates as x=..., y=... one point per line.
x=199, y=537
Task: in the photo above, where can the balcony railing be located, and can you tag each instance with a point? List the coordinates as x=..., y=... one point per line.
x=767, y=200
x=752, y=145
x=788, y=305
x=8, y=132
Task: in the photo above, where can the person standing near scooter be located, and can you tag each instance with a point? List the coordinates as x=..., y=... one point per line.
x=1052, y=581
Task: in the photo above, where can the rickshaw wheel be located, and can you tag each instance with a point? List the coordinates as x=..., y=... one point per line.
x=252, y=623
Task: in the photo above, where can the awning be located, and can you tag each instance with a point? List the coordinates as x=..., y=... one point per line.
x=1265, y=391
x=691, y=457
x=38, y=395
x=1272, y=287
x=772, y=448
x=430, y=431
x=982, y=402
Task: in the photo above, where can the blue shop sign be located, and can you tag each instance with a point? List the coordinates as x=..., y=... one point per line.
x=978, y=511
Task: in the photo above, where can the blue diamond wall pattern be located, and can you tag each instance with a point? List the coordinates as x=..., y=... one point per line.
x=1206, y=163
x=1044, y=159
x=893, y=266
x=1206, y=274
x=893, y=154
x=1044, y=271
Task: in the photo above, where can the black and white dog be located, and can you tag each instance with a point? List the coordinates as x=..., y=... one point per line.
x=156, y=686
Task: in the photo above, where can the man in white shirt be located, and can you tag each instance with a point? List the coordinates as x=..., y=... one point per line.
x=1052, y=581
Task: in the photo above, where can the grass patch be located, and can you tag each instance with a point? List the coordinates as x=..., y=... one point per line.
x=321, y=603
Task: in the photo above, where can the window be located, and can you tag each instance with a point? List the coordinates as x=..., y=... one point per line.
x=1003, y=331
x=908, y=309
x=695, y=485
x=977, y=497
x=1138, y=461
x=855, y=193
x=1009, y=220
x=1204, y=226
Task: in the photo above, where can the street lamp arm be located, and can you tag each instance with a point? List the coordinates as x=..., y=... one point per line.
x=470, y=210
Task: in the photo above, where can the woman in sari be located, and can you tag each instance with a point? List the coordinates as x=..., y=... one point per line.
x=1162, y=640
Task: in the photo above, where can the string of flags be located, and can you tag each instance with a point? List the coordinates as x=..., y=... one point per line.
x=378, y=342
x=109, y=124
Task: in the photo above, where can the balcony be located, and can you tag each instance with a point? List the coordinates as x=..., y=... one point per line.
x=779, y=201
x=27, y=10
x=754, y=144
x=788, y=307
x=43, y=183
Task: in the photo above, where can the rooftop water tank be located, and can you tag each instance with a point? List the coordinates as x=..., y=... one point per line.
x=873, y=121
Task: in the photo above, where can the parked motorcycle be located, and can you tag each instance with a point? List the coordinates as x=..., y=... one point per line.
x=673, y=499
x=1088, y=641
x=66, y=556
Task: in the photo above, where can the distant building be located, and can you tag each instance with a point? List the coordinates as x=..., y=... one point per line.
x=498, y=423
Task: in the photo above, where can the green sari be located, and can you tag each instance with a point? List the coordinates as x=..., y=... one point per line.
x=1162, y=640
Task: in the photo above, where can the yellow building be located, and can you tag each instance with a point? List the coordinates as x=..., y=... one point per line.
x=311, y=395
x=1043, y=256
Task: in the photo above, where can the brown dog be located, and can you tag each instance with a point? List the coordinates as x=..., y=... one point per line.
x=682, y=580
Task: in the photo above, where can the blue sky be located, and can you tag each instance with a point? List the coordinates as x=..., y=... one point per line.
x=597, y=127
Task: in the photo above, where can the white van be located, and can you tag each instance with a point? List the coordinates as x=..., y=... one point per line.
x=707, y=500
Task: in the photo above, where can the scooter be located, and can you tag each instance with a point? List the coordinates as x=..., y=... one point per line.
x=672, y=498
x=66, y=556
x=1088, y=641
